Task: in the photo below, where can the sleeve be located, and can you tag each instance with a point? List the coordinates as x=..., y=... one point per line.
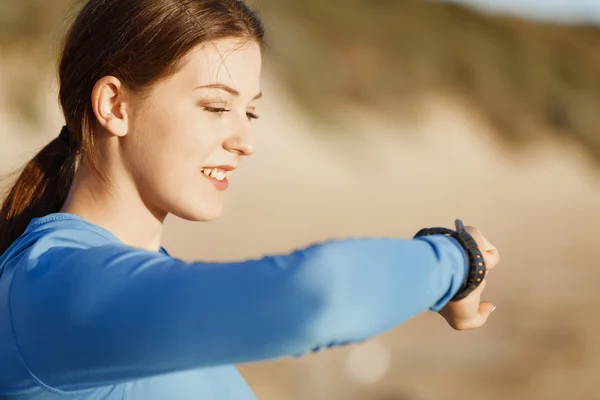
x=90, y=317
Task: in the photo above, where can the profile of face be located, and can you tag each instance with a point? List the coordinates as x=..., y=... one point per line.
x=181, y=139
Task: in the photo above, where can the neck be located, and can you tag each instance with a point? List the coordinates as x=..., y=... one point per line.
x=116, y=207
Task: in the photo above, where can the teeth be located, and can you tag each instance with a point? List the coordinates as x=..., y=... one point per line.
x=215, y=173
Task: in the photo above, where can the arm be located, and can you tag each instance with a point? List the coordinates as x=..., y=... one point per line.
x=97, y=316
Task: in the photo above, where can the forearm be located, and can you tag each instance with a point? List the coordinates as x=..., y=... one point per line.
x=111, y=314
x=371, y=285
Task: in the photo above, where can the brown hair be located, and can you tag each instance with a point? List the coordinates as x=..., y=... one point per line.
x=137, y=41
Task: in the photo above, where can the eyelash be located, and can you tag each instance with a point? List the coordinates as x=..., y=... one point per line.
x=219, y=111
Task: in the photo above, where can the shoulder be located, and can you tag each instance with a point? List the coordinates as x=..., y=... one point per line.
x=58, y=230
x=44, y=240
x=51, y=238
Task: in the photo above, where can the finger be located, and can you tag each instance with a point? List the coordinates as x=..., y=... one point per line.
x=492, y=258
x=476, y=234
x=488, y=250
x=482, y=241
x=485, y=309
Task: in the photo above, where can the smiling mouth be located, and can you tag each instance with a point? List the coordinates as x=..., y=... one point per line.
x=216, y=174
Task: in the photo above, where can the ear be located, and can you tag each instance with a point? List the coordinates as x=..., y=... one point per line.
x=108, y=103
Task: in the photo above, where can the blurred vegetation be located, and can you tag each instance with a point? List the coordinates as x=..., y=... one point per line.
x=383, y=54
x=380, y=53
x=28, y=21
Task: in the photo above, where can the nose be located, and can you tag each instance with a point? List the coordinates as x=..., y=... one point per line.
x=241, y=141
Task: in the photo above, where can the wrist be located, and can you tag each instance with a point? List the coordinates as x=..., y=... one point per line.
x=476, y=270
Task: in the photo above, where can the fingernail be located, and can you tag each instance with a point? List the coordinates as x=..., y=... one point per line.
x=493, y=309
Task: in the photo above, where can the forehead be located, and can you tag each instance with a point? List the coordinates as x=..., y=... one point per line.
x=234, y=62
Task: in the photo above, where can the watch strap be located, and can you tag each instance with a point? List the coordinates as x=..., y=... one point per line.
x=477, y=268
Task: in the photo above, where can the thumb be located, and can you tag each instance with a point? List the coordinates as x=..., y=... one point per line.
x=485, y=309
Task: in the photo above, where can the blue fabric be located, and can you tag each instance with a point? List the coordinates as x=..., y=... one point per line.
x=83, y=316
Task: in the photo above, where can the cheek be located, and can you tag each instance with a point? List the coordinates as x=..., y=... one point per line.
x=171, y=150
x=175, y=145
x=168, y=131
x=189, y=145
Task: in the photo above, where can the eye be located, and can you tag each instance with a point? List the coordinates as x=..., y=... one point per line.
x=252, y=116
x=216, y=110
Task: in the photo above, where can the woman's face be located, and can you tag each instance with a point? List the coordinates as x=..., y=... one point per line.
x=192, y=130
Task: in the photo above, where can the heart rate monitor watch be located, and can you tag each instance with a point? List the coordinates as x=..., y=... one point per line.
x=477, y=268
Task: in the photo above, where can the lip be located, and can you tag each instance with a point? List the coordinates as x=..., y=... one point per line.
x=220, y=185
x=223, y=167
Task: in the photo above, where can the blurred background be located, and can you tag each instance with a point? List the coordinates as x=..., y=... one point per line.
x=382, y=117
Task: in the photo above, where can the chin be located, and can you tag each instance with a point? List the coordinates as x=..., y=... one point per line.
x=199, y=212
x=198, y=206
x=199, y=215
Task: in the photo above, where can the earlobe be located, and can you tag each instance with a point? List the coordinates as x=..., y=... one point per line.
x=108, y=105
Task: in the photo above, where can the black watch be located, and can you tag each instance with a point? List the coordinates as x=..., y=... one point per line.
x=477, y=268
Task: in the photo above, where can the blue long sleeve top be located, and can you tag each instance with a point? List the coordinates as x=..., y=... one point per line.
x=84, y=316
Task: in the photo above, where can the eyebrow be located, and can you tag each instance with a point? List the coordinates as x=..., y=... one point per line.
x=228, y=89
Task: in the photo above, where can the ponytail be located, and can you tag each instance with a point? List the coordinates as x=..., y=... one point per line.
x=41, y=189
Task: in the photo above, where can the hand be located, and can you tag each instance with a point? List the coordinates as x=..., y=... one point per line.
x=471, y=312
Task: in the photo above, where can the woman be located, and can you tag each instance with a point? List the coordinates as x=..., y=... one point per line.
x=158, y=98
